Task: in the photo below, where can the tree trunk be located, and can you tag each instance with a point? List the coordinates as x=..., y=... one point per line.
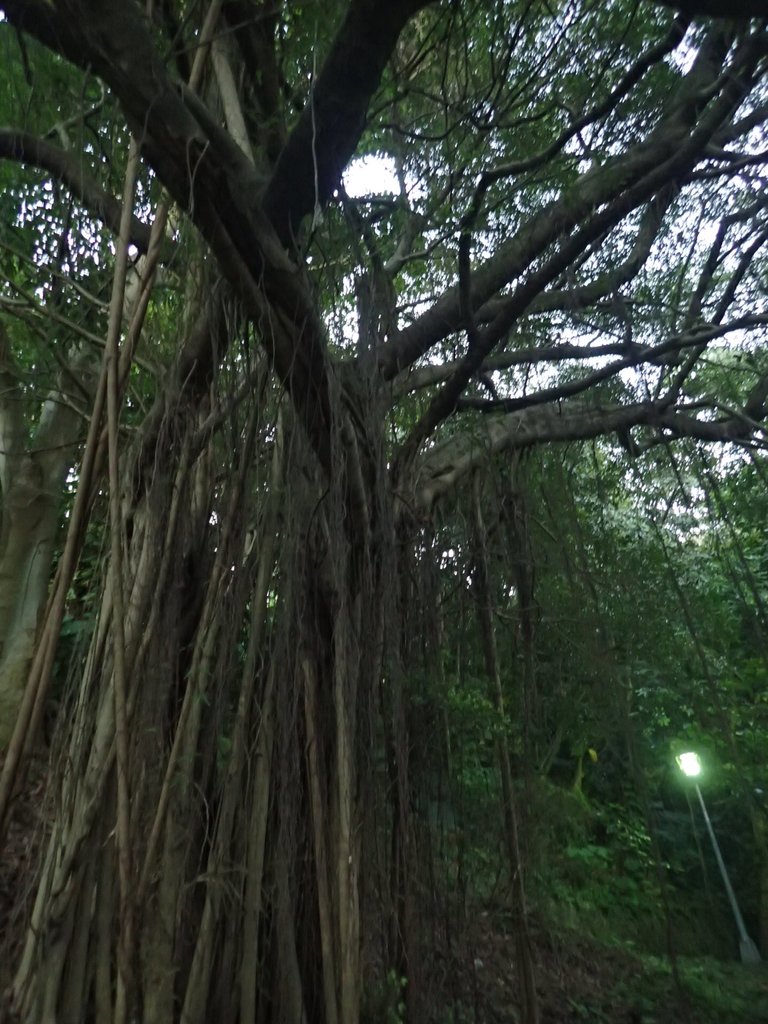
x=255, y=914
x=34, y=461
x=31, y=523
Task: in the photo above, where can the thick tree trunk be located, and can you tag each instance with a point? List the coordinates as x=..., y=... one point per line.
x=244, y=765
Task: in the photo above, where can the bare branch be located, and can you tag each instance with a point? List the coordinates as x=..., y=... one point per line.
x=428, y=376
x=637, y=356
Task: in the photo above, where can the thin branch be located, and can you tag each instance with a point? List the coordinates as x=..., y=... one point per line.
x=668, y=154
x=638, y=356
x=428, y=376
x=718, y=8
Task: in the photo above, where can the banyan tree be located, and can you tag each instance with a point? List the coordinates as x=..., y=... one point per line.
x=241, y=388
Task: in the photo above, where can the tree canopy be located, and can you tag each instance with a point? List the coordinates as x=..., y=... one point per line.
x=535, y=177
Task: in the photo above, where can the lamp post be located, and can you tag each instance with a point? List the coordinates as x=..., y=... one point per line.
x=690, y=765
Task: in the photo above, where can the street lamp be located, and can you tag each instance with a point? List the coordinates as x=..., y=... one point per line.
x=690, y=765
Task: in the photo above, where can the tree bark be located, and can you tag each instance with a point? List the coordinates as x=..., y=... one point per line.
x=34, y=462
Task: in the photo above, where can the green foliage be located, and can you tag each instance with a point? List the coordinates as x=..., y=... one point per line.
x=384, y=1000
x=714, y=992
x=592, y=869
x=640, y=651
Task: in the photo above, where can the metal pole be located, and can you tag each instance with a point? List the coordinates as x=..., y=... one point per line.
x=747, y=948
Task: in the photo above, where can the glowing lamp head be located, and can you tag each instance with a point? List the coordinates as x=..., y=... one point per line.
x=689, y=764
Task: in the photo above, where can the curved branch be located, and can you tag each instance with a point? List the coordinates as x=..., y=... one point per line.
x=636, y=356
x=448, y=463
x=428, y=376
x=24, y=148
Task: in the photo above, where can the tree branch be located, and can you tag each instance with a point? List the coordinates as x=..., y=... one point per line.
x=69, y=170
x=633, y=192
x=427, y=376
x=637, y=356
x=448, y=463
x=665, y=156
x=208, y=175
x=320, y=146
